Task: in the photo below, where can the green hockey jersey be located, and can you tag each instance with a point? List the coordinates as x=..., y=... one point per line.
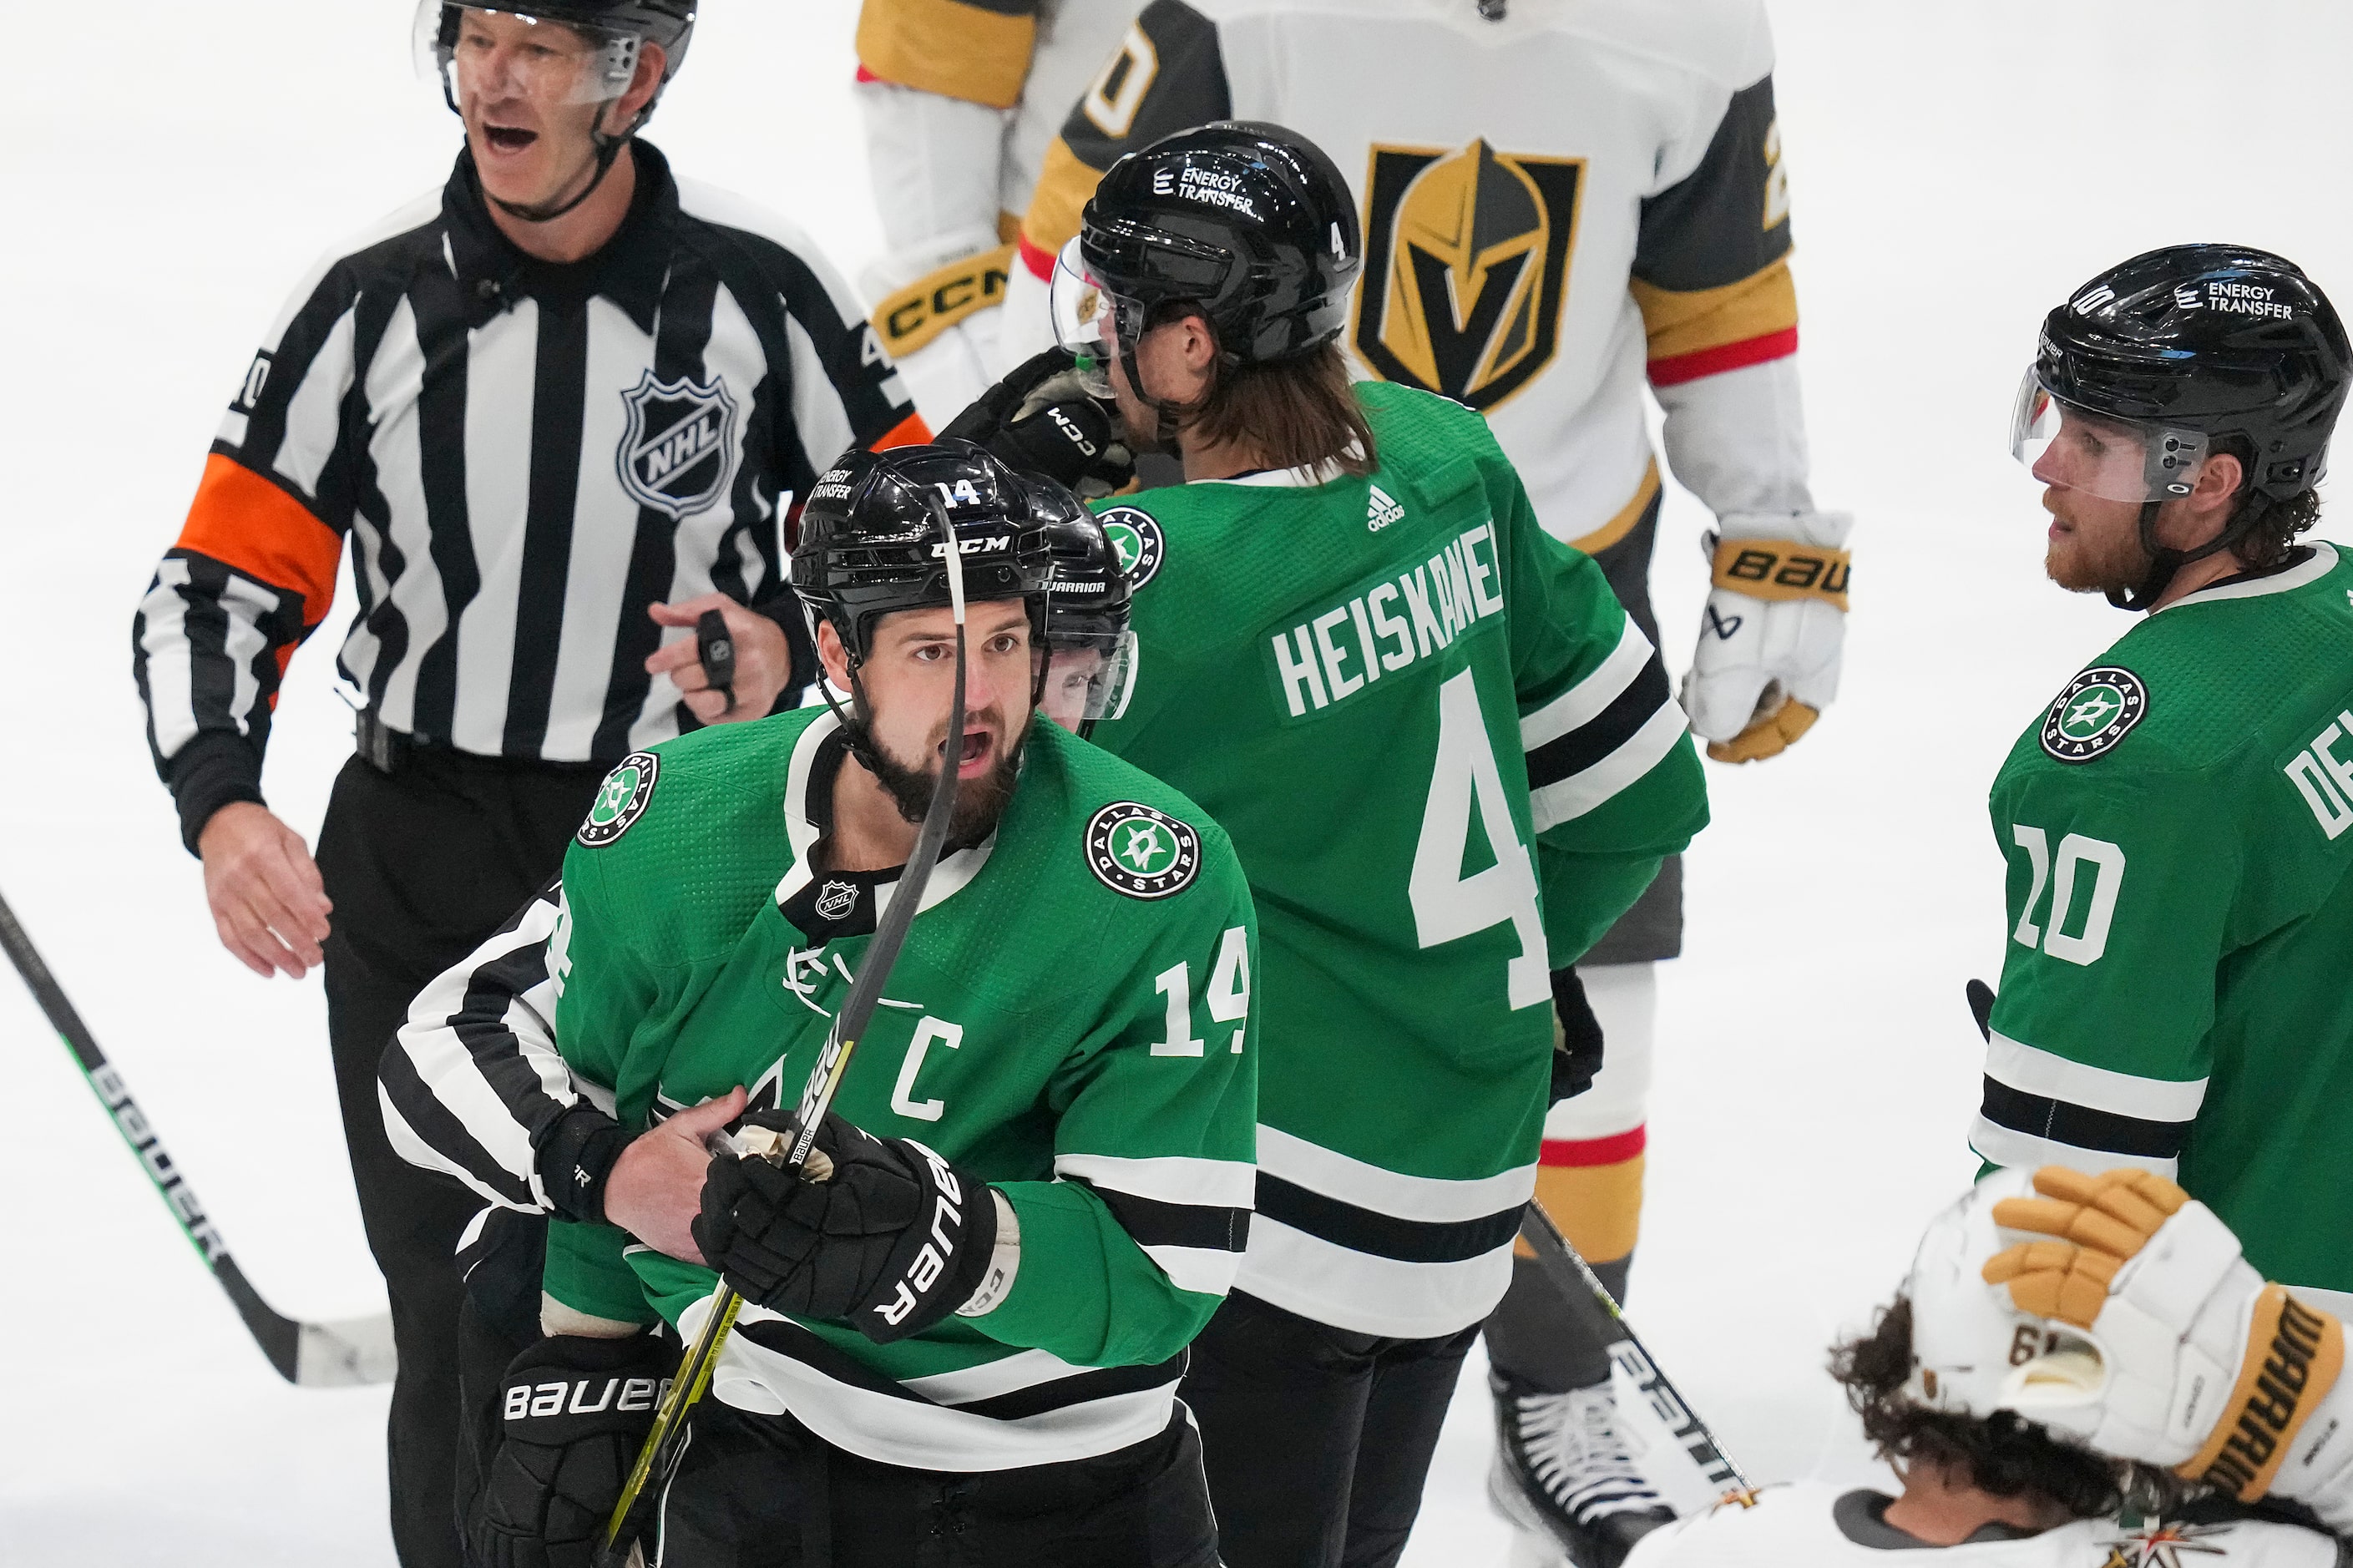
x=1071, y=1020
x=2176, y=993
x=1449, y=761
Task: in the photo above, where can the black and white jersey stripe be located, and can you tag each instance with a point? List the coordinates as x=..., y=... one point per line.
x=473, y=1080
x=2041, y=1108
x=1602, y=733
x=522, y=457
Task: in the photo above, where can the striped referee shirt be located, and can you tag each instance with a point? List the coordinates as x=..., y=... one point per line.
x=525, y=456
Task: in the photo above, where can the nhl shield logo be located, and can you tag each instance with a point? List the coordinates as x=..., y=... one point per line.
x=1466, y=267
x=836, y=900
x=679, y=451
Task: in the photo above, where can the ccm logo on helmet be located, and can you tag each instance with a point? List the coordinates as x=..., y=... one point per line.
x=974, y=546
x=528, y=1400
x=924, y=1272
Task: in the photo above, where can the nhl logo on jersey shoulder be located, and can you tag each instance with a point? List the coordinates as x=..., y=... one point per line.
x=628, y=789
x=677, y=452
x=1141, y=852
x=836, y=900
x=1136, y=534
x=2098, y=709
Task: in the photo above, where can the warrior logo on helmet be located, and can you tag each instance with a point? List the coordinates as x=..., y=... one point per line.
x=1466, y=268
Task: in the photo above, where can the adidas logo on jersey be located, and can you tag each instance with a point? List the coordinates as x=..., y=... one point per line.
x=1380, y=510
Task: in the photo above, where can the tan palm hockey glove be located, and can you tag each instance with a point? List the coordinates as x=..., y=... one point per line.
x=1771, y=637
x=2198, y=1364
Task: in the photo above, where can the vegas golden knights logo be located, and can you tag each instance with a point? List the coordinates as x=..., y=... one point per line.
x=1466, y=263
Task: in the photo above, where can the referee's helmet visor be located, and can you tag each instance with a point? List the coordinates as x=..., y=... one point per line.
x=484, y=54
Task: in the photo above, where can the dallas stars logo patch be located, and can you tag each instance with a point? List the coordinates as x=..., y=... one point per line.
x=1141, y=852
x=1136, y=534
x=2098, y=709
x=627, y=790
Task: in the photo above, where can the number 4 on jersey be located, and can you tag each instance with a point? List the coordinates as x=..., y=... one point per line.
x=1447, y=905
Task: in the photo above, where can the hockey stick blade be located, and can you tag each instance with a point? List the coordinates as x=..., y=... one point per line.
x=1589, y=1300
x=311, y=1355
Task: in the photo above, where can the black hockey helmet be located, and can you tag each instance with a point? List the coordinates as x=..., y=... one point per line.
x=870, y=544
x=2186, y=347
x=1248, y=221
x=2204, y=342
x=1091, y=652
x=620, y=27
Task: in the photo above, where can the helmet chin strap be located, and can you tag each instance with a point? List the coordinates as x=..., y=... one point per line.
x=608, y=151
x=2165, y=563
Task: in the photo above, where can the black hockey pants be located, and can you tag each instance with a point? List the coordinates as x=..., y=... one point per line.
x=1317, y=1439
x=760, y=1491
x=423, y=865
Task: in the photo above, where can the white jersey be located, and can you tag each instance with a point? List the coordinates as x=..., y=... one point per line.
x=961, y=101
x=1559, y=207
x=1810, y=1525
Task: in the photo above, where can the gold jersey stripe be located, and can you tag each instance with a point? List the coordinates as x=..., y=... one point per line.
x=944, y=47
x=1064, y=184
x=1620, y=526
x=1598, y=1207
x=1680, y=323
x=910, y=319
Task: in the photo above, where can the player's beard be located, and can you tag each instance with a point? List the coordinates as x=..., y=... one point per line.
x=2084, y=561
x=979, y=801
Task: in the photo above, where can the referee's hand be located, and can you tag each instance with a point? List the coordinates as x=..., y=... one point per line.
x=762, y=660
x=266, y=899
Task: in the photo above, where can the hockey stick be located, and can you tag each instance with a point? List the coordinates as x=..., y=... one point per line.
x=313, y=1355
x=665, y=1445
x=1590, y=1301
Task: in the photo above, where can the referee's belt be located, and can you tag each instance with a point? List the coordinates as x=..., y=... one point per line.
x=389, y=751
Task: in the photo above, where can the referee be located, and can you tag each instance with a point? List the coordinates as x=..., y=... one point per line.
x=563, y=409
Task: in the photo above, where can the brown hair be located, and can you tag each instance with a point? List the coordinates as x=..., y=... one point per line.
x=1295, y=413
x=2267, y=528
x=2002, y=1453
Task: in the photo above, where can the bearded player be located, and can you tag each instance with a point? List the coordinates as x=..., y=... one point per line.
x=2179, y=906
x=1449, y=760
x=1052, y=1106
x=1562, y=204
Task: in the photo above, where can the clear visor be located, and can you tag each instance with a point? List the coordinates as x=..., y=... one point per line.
x=1083, y=319
x=482, y=55
x=2118, y=459
x=1088, y=679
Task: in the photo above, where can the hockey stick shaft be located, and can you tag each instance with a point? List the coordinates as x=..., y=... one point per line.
x=1601, y=1317
x=665, y=1445
x=279, y=1337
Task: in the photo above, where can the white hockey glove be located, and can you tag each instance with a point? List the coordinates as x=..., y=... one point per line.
x=2193, y=1361
x=1769, y=640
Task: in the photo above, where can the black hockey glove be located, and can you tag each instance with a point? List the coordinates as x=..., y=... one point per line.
x=1041, y=419
x=1576, y=1038
x=574, y=1412
x=893, y=1239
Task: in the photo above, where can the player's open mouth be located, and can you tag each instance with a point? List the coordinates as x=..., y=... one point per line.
x=509, y=138
x=973, y=760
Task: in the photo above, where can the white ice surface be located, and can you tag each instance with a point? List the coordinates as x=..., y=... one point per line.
x=171, y=170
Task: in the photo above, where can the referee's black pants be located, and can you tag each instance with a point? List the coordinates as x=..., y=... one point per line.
x=1317, y=1439
x=423, y=864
